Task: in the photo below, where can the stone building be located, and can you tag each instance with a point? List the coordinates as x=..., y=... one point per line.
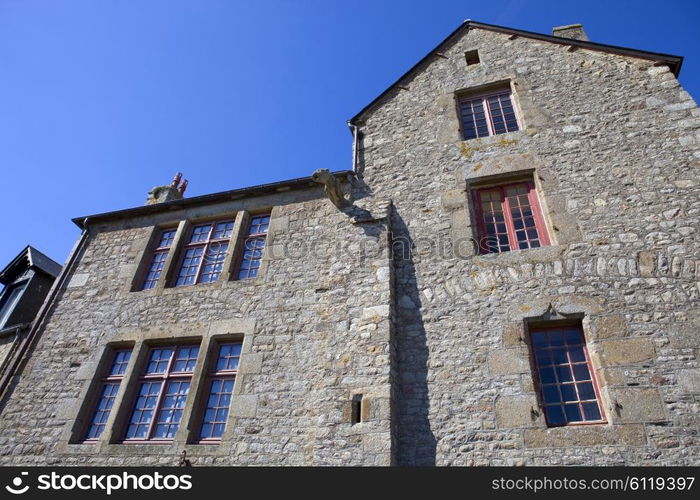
x=509, y=275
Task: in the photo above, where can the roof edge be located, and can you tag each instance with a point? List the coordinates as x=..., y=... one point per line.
x=674, y=62
x=233, y=194
x=35, y=259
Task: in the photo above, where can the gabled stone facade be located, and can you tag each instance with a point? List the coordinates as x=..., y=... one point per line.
x=375, y=333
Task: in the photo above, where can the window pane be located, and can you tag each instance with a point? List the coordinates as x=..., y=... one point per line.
x=158, y=361
x=104, y=406
x=223, y=230
x=252, y=256
x=166, y=238
x=591, y=411
x=143, y=410
x=171, y=409
x=555, y=415
x=185, y=359
x=121, y=360
x=200, y=233
x=229, y=355
x=10, y=298
x=217, y=409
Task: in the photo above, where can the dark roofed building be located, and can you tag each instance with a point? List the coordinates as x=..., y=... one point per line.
x=27, y=280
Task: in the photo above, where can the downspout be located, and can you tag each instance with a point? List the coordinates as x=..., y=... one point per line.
x=355, y=145
x=41, y=317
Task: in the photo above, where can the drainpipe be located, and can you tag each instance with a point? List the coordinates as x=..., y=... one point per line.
x=41, y=317
x=355, y=145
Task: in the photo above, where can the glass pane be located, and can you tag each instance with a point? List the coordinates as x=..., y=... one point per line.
x=555, y=416
x=547, y=375
x=158, y=361
x=550, y=393
x=564, y=373
x=581, y=372
x=568, y=392
x=591, y=411
x=573, y=413
x=586, y=391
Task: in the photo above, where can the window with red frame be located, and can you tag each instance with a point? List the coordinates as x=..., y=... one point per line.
x=203, y=257
x=488, y=114
x=162, y=392
x=509, y=218
x=160, y=253
x=220, y=389
x=567, y=384
x=253, y=247
x=108, y=393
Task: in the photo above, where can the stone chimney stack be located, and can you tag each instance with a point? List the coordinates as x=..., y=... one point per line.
x=174, y=191
x=574, y=31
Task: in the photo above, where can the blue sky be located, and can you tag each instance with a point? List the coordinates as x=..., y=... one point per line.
x=102, y=100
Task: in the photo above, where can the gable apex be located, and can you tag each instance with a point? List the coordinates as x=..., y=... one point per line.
x=673, y=62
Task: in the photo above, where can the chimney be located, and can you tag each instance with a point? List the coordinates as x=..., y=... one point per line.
x=174, y=191
x=574, y=31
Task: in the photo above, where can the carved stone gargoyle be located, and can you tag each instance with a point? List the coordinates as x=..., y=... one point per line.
x=331, y=187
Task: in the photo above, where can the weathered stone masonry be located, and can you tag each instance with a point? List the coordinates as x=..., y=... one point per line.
x=432, y=335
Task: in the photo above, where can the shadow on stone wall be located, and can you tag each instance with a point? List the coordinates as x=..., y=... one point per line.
x=416, y=443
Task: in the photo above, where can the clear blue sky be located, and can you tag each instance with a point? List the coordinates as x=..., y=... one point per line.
x=101, y=100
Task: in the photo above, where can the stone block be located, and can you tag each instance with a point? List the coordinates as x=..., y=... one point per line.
x=244, y=406
x=508, y=362
x=684, y=335
x=514, y=335
x=636, y=404
x=689, y=380
x=513, y=412
x=646, y=263
x=77, y=280
x=454, y=199
x=627, y=351
x=585, y=435
x=605, y=327
x=251, y=363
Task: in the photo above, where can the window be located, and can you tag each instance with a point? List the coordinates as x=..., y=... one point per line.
x=472, y=57
x=158, y=261
x=10, y=297
x=487, y=114
x=509, y=218
x=220, y=389
x=203, y=257
x=253, y=247
x=567, y=385
x=108, y=393
x=162, y=392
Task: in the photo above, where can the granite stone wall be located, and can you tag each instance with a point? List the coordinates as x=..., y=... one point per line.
x=612, y=144
x=315, y=326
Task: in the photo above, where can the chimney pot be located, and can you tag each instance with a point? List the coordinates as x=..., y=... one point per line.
x=574, y=31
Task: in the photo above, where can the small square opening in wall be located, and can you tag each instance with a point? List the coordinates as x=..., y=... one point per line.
x=472, y=57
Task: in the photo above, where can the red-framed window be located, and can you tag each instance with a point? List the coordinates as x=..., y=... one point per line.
x=567, y=385
x=203, y=256
x=162, y=392
x=108, y=393
x=160, y=253
x=488, y=114
x=253, y=247
x=509, y=217
x=222, y=379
